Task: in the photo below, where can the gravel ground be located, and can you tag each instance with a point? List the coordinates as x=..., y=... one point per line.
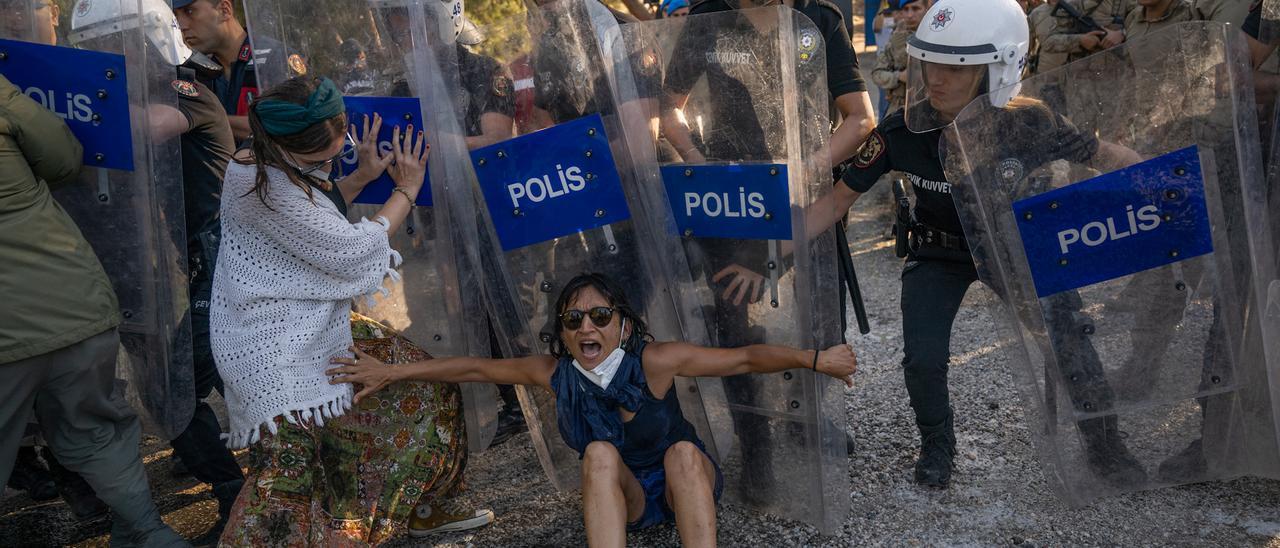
x=998, y=495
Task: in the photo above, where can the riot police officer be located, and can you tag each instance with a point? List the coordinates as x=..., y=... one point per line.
x=207, y=144
x=940, y=267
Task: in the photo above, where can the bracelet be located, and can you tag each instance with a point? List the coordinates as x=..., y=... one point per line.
x=412, y=203
x=815, y=361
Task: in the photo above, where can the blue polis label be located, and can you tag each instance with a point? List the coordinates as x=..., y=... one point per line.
x=1141, y=217
x=88, y=89
x=551, y=183
x=400, y=111
x=741, y=201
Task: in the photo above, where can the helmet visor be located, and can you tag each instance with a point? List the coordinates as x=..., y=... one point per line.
x=937, y=92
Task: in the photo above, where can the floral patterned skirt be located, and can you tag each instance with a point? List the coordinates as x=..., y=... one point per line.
x=354, y=480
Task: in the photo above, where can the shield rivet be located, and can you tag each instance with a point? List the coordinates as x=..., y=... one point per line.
x=99, y=157
x=1173, y=254
x=599, y=213
x=104, y=198
x=1087, y=406
x=591, y=132
x=768, y=216
x=1215, y=379
x=1027, y=216
x=773, y=171
x=1062, y=262
x=1180, y=286
x=4, y=56
x=408, y=116
x=1088, y=329
x=591, y=176
x=786, y=376
x=517, y=213
x=795, y=404
x=1172, y=194
x=437, y=338
x=688, y=233
x=110, y=74
x=545, y=286
x=772, y=265
x=688, y=172
x=502, y=154
x=589, y=153
x=126, y=313
x=1053, y=205
x=102, y=94
x=481, y=162
x=1179, y=171
x=774, y=303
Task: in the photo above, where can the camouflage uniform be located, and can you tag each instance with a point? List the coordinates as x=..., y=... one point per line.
x=1043, y=23
x=890, y=62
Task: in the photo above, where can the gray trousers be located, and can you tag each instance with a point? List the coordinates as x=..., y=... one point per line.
x=89, y=427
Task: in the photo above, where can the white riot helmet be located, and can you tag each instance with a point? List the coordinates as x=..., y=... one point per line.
x=956, y=39
x=92, y=19
x=449, y=16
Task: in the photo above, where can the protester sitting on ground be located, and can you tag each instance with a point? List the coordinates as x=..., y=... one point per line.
x=289, y=266
x=642, y=463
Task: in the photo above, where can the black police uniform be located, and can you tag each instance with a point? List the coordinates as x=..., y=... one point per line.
x=940, y=268
x=742, y=131
x=206, y=148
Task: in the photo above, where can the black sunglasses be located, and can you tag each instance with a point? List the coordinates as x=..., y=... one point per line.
x=600, y=315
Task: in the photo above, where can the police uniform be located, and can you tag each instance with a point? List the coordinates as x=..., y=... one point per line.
x=487, y=86
x=235, y=91
x=206, y=148
x=940, y=268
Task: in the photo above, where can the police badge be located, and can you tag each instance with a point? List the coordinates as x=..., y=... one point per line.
x=298, y=67
x=870, y=151
x=501, y=86
x=186, y=88
x=808, y=43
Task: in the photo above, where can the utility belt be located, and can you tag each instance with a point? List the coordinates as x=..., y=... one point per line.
x=924, y=236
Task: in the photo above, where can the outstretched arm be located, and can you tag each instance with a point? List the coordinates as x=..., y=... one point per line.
x=373, y=375
x=687, y=360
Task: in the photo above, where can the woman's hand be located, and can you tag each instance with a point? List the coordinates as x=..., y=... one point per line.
x=370, y=163
x=839, y=362
x=364, y=371
x=410, y=166
x=746, y=284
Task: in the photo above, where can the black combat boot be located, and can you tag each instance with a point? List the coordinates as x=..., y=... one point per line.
x=1107, y=455
x=937, y=451
x=1186, y=466
x=31, y=476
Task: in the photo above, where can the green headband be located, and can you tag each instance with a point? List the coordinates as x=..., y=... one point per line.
x=285, y=118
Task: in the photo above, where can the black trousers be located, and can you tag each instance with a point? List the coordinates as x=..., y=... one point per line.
x=932, y=290
x=200, y=446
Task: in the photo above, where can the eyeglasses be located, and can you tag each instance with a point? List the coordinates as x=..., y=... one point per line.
x=327, y=165
x=600, y=315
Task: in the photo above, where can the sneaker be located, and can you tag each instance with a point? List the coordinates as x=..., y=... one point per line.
x=444, y=517
x=31, y=476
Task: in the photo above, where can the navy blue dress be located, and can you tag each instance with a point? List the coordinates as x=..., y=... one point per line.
x=586, y=413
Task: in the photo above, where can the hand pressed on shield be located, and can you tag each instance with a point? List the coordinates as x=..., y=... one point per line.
x=745, y=284
x=410, y=166
x=370, y=162
x=364, y=371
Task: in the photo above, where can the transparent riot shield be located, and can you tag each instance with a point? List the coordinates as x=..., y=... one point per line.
x=741, y=103
x=560, y=196
x=1132, y=260
x=94, y=67
x=363, y=47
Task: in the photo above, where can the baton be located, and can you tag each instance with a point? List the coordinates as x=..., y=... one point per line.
x=850, y=278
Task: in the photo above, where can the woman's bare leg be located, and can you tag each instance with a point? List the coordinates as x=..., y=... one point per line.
x=611, y=496
x=691, y=478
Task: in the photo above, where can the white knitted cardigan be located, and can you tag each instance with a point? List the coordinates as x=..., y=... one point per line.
x=282, y=298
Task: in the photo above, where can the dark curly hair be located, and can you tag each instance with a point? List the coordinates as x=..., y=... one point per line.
x=616, y=298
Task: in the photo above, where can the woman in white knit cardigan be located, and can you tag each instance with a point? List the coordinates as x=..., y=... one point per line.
x=288, y=268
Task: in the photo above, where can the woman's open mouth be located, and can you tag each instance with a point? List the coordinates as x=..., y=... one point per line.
x=590, y=349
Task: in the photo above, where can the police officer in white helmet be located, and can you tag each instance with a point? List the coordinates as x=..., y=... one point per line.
x=962, y=50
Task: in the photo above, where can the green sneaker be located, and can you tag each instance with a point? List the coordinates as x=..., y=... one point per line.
x=444, y=517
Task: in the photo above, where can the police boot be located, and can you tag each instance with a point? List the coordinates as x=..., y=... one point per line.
x=31, y=476
x=937, y=451
x=1186, y=466
x=1107, y=455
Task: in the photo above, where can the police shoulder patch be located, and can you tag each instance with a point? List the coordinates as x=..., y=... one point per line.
x=501, y=85
x=870, y=151
x=185, y=88
x=297, y=65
